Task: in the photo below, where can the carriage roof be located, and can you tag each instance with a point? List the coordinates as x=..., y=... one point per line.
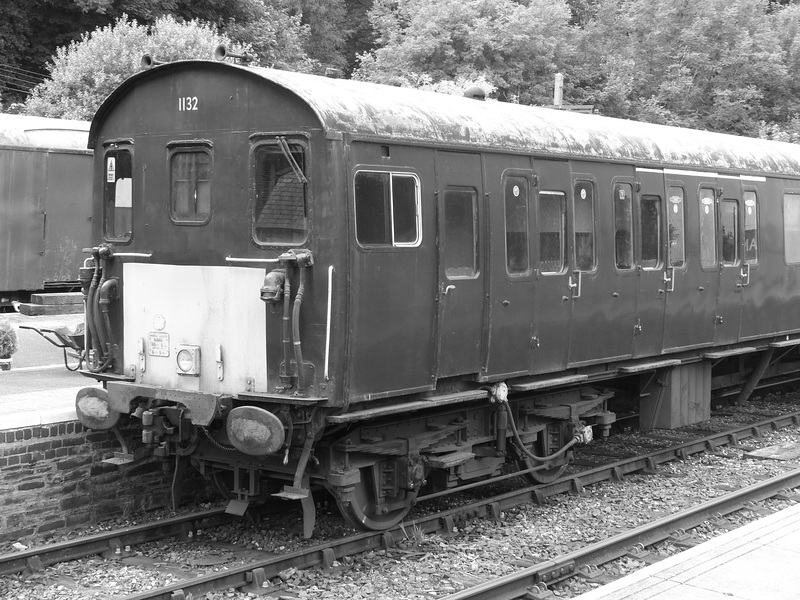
x=368, y=110
x=22, y=131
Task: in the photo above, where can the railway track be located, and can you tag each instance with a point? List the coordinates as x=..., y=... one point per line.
x=532, y=581
x=257, y=574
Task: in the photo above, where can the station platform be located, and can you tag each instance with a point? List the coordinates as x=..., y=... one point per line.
x=758, y=561
x=43, y=407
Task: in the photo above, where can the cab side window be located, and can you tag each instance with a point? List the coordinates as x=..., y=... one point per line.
x=118, y=195
x=280, y=214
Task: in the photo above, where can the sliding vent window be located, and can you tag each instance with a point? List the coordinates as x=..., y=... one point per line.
x=118, y=195
x=387, y=209
x=190, y=185
x=281, y=188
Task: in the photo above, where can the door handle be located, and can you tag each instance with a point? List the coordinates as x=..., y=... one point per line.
x=575, y=286
x=448, y=288
x=669, y=279
x=745, y=274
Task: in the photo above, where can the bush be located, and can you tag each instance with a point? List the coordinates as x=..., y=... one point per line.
x=8, y=339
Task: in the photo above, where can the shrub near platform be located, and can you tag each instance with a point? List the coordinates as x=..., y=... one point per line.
x=53, y=477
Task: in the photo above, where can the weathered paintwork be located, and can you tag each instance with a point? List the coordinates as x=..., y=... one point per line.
x=45, y=201
x=408, y=115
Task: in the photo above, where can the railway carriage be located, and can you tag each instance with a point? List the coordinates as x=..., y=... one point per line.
x=45, y=204
x=302, y=282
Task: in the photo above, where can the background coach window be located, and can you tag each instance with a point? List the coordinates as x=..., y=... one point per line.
x=387, y=209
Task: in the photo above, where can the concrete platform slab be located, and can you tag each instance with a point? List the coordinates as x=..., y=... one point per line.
x=755, y=562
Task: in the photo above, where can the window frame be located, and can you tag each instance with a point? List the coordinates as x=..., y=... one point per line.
x=564, y=231
x=507, y=178
x=713, y=204
x=190, y=147
x=116, y=146
x=293, y=138
x=796, y=193
x=753, y=262
x=476, y=272
x=393, y=172
x=591, y=182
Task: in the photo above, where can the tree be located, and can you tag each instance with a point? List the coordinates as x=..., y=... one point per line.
x=85, y=72
x=515, y=46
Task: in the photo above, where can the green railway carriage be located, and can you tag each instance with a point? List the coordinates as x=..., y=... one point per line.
x=303, y=282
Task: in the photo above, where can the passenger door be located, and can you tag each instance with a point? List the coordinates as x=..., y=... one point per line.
x=730, y=249
x=461, y=276
x=650, y=250
x=509, y=182
x=552, y=304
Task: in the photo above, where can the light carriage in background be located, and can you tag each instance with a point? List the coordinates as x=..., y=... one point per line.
x=303, y=282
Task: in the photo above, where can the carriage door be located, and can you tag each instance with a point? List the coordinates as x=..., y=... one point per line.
x=729, y=239
x=460, y=198
x=648, y=328
x=552, y=307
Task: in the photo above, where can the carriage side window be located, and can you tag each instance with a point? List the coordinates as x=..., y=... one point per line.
x=650, y=228
x=729, y=221
x=387, y=209
x=280, y=213
x=584, y=226
x=190, y=184
x=623, y=226
x=460, y=239
x=676, y=251
x=516, y=205
x=708, y=229
x=750, y=227
x=791, y=227
x=552, y=221
x=118, y=195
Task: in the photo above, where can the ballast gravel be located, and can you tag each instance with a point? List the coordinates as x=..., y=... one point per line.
x=432, y=566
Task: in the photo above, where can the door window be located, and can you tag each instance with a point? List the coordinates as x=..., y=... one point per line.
x=791, y=227
x=584, y=226
x=516, y=205
x=552, y=223
x=460, y=241
x=118, y=195
x=708, y=229
x=650, y=228
x=676, y=249
x=729, y=229
x=750, y=227
x=623, y=226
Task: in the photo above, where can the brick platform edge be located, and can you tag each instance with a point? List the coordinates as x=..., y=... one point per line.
x=52, y=477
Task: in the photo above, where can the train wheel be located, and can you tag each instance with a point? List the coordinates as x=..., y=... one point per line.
x=361, y=508
x=542, y=475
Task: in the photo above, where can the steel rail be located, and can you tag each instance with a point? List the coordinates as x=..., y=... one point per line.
x=323, y=555
x=112, y=542
x=517, y=585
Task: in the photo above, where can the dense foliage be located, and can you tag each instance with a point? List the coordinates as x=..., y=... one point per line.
x=724, y=65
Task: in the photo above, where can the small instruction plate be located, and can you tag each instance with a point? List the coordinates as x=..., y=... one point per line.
x=158, y=344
